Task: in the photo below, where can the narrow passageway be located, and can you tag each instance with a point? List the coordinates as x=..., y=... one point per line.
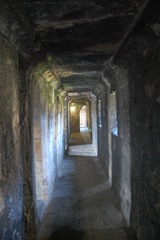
x=83, y=205
x=80, y=78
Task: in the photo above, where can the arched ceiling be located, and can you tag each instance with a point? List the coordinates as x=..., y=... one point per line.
x=82, y=35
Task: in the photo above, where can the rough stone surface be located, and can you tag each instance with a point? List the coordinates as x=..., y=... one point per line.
x=11, y=181
x=76, y=44
x=48, y=138
x=145, y=132
x=102, y=92
x=119, y=141
x=26, y=149
x=82, y=36
x=17, y=207
x=141, y=58
x=15, y=26
x=113, y=112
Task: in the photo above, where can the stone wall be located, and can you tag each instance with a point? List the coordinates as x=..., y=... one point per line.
x=121, y=180
x=119, y=140
x=48, y=137
x=60, y=132
x=112, y=128
x=103, y=138
x=11, y=168
x=11, y=198
x=39, y=154
x=145, y=147
x=15, y=26
x=17, y=207
x=121, y=175
x=141, y=57
x=26, y=149
x=113, y=112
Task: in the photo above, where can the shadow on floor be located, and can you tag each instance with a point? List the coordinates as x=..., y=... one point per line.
x=83, y=206
x=67, y=233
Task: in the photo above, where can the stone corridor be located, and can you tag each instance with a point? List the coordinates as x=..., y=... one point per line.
x=88, y=69
x=83, y=205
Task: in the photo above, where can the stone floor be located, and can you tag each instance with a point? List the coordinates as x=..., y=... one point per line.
x=80, y=138
x=83, y=205
x=81, y=145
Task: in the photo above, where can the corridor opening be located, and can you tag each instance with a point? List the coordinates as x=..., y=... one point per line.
x=82, y=124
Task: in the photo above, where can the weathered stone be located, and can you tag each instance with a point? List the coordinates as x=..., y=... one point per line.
x=143, y=79
x=75, y=46
x=15, y=26
x=11, y=181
